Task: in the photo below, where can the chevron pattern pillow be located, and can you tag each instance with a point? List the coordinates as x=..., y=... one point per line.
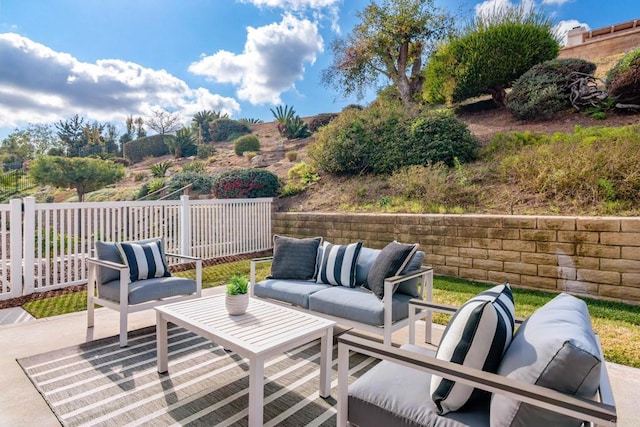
x=477, y=336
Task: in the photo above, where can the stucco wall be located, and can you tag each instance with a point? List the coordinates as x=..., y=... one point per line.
x=590, y=256
x=605, y=50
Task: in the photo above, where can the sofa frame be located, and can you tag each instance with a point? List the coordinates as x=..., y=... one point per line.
x=386, y=331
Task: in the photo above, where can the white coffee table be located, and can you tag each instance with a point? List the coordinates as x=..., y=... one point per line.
x=265, y=330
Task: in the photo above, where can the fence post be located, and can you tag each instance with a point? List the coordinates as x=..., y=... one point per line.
x=15, y=245
x=29, y=245
x=185, y=229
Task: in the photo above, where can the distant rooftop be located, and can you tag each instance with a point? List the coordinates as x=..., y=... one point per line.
x=580, y=35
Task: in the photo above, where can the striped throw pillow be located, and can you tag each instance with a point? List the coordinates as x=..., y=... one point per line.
x=338, y=264
x=477, y=336
x=146, y=260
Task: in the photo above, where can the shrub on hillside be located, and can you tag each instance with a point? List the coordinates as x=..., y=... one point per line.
x=383, y=138
x=206, y=151
x=544, y=90
x=592, y=165
x=623, y=80
x=246, y=183
x=246, y=143
x=225, y=129
x=321, y=120
x=442, y=138
x=149, y=146
x=202, y=183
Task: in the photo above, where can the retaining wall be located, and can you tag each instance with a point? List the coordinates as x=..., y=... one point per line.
x=598, y=257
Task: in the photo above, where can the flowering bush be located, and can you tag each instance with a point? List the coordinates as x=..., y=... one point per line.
x=246, y=183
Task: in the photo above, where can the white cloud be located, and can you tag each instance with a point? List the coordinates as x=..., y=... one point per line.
x=294, y=4
x=558, y=2
x=490, y=7
x=272, y=60
x=38, y=85
x=563, y=27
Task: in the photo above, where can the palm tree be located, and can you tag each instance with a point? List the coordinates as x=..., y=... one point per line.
x=182, y=143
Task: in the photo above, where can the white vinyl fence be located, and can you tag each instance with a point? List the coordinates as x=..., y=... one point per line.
x=44, y=246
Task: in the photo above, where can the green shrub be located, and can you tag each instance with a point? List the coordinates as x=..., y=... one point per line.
x=206, y=150
x=383, y=138
x=544, y=90
x=194, y=166
x=139, y=177
x=292, y=188
x=246, y=183
x=149, y=146
x=225, y=129
x=442, y=138
x=159, y=170
x=305, y=173
x=321, y=120
x=201, y=183
x=492, y=52
x=246, y=143
x=623, y=80
x=292, y=156
x=591, y=166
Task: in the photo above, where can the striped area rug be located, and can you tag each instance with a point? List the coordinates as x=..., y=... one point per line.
x=101, y=384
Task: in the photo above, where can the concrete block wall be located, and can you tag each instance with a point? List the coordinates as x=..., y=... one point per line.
x=598, y=257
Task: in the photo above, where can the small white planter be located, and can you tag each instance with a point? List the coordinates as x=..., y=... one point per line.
x=237, y=304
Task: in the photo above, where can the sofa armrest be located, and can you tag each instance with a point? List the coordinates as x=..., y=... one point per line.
x=591, y=411
x=107, y=264
x=252, y=274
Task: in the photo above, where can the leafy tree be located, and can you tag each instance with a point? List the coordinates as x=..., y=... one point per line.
x=71, y=133
x=493, y=51
x=182, y=144
x=83, y=174
x=391, y=40
x=163, y=122
x=130, y=130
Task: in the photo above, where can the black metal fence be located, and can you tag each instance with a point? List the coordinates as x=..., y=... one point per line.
x=14, y=182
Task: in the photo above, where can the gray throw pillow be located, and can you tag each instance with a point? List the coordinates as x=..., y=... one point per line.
x=555, y=348
x=294, y=258
x=410, y=287
x=391, y=260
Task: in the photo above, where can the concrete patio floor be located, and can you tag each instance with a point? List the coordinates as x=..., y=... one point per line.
x=22, y=405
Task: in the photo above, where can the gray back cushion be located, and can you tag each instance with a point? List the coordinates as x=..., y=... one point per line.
x=368, y=257
x=294, y=258
x=365, y=261
x=107, y=251
x=555, y=348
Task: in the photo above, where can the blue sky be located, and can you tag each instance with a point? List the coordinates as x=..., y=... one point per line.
x=107, y=59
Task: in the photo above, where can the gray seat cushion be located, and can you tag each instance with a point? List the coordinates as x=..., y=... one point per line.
x=393, y=395
x=294, y=292
x=554, y=348
x=149, y=289
x=357, y=304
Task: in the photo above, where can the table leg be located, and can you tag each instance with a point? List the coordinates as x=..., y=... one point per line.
x=326, y=351
x=162, y=343
x=256, y=391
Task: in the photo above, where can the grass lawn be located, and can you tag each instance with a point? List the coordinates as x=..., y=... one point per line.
x=617, y=324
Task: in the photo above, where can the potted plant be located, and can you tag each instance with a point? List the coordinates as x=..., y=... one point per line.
x=237, y=299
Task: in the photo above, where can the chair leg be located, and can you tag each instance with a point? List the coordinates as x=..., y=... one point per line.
x=90, y=295
x=123, y=327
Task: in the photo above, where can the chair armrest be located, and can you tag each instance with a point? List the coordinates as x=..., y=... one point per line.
x=198, y=262
x=595, y=412
x=252, y=273
x=187, y=257
x=108, y=264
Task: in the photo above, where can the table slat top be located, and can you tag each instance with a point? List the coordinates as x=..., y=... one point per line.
x=263, y=327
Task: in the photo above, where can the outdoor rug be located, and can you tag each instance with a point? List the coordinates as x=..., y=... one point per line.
x=101, y=384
